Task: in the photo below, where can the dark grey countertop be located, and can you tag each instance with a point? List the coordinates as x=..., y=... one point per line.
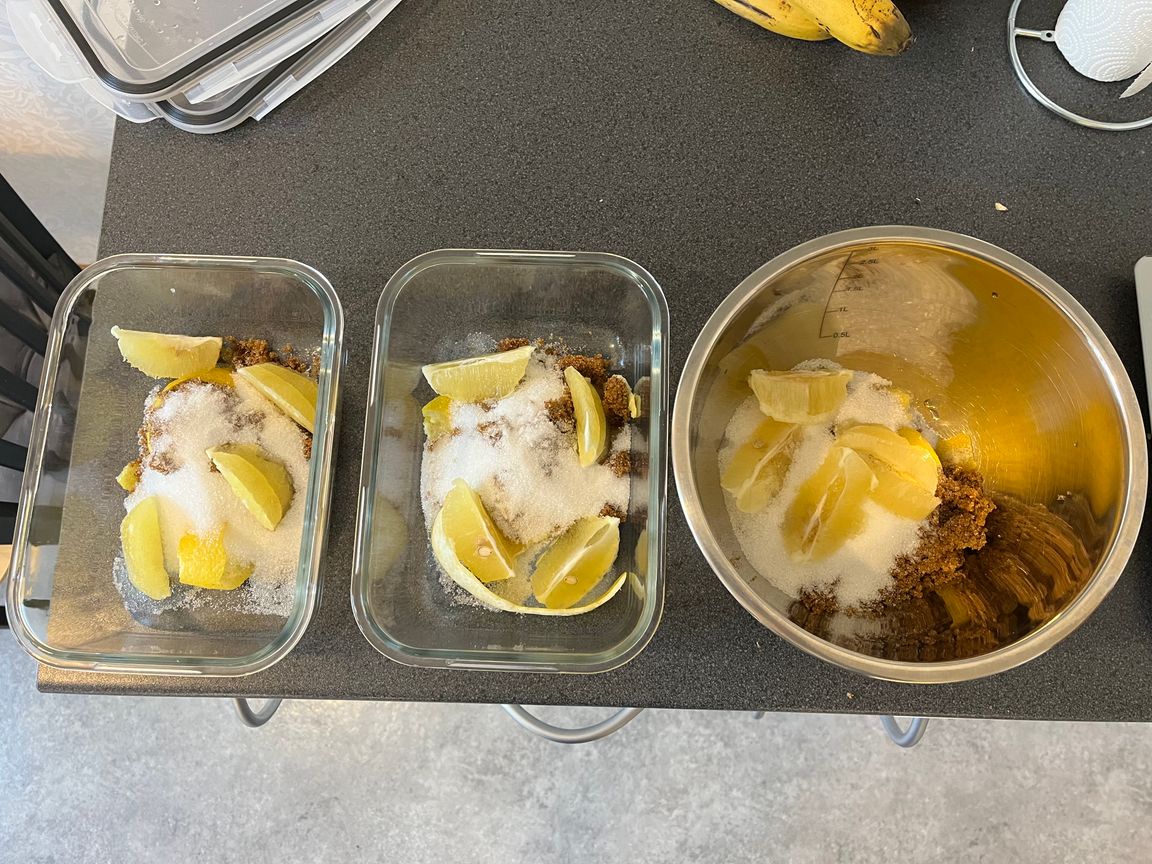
x=687, y=139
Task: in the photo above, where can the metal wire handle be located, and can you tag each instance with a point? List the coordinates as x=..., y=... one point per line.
x=562, y=735
x=909, y=737
x=250, y=716
x=1018, y=67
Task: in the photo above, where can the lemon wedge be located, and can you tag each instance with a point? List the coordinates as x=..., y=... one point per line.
x=591, y=425
x=800, y=397
x=144, y=549
x=437, y=416
x=445, y=553
x=262, y=485
x=828, y=508
x=129, y=476
x=477, y=542
x=479, y=379
x=757, y=469
x=901, y=495
x=906, y=468
x=906, y=452
x=164, y=355
x=576, y=561
x=913, y=437
x=214, y=375
x=205, y=564
x=291, y=392
x=958, y=449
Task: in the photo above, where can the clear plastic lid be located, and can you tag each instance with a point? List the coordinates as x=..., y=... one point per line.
x=147, y=50
x=259, y=96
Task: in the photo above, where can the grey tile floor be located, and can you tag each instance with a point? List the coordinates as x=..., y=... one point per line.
x=108, y=779
x=104, y=779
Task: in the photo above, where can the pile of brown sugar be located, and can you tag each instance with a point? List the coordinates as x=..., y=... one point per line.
x=249, y=352
x=956, y=528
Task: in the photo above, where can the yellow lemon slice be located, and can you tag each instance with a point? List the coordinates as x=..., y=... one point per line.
x=129, y=476
x=901, y=495
x=913, y=437
x=205, y=564
x=479, y=379
x=215, y=375
x=576, y=561
x=800, y=397
x=591, y=425
x=291, y=392
x=957, y=449
x=164, y=355
x=757, y=469
x=479, y=544
x=437, y=416
x=906, y=451
x=446, y=556
x=262, y=485
x=144, y=549
x=828, y=508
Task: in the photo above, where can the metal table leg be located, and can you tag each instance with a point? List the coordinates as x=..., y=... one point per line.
x=561, y=735
x=253, y=717
x=909, y=737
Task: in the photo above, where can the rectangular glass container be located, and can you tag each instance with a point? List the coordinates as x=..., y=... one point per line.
x=62, y=603
x=598, y=303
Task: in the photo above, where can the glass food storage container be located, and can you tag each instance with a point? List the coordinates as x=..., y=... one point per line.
x=63, y=604
x=597, y=303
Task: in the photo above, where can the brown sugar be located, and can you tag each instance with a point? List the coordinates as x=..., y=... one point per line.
x=296, y=364
x=246, y=352
x=620, y=463
x=955, y=528
x=512, y=343
x=818, y=602
x=594, y=368
x=490, y=430
x=616, y=397
x=249, y=352
x=612, y=510
x=561, y=412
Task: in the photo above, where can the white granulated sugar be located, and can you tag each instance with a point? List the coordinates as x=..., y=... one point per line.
x=522, y=466
x=860, y=569
x=195, y=499
x=871, y=399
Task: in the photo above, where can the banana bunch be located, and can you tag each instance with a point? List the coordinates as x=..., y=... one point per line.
x=871, y=26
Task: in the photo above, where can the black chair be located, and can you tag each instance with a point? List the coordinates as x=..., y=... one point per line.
x=34, y=270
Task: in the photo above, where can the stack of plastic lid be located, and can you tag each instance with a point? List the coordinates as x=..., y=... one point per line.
x=202, y=65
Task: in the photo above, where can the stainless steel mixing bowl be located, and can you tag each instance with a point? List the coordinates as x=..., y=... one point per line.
x=996, y=354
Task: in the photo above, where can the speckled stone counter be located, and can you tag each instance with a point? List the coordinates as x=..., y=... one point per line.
x=683, y=137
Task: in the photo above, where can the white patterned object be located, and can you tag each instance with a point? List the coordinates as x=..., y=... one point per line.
x=1106, y=40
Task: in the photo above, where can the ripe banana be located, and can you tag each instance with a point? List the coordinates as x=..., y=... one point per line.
x=779, y=16
x=871, y=26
